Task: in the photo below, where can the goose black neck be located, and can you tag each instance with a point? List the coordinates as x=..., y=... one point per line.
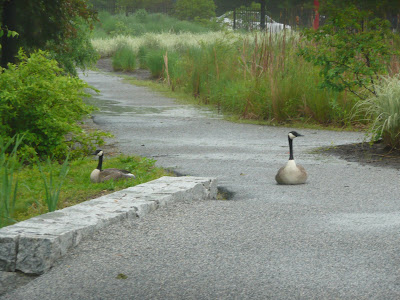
x=291, y=148
x=100, y=164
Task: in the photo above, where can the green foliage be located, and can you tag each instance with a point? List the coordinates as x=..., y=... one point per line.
x=40, y=22
x=52, y=184
x=141, y=15
x=124, y=59
x=383, y=111
x=353, y=49
x=77, y=52
x=195, y=10
x=10, y=33
x=141, y=23
x=38, y=101
x=9, y=165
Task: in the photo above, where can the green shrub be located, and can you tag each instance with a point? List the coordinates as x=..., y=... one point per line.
x=383, y=111
x=77, y=52
x=124, y=59
x=352, y=50
x=38, y=101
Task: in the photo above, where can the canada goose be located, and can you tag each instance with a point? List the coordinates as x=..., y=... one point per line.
x=291, y=173
x=99, y=175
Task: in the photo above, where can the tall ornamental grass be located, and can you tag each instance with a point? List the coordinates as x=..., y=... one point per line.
x=259, y=77
x=383, y=111
x=251, y=76
x=107, y=46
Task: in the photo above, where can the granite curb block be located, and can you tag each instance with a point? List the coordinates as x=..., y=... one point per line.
x=32, y=246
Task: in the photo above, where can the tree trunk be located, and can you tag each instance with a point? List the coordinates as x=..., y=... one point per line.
x=9, y=47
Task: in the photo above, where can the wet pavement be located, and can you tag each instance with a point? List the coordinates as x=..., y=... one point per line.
x=336, y=237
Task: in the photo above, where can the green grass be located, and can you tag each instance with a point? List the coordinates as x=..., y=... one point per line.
x=124, y=59
x=76, y=188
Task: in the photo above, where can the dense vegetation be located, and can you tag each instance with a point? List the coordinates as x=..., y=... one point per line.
x=44, y=147
x=316, y=77
x=253, y=76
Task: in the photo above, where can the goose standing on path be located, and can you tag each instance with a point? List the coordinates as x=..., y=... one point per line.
x=291, y=173
x=99, y=175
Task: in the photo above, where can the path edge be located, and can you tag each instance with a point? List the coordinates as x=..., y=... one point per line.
x=34, y=245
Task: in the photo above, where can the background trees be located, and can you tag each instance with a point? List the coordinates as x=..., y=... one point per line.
x=42, y=24
x=37, y=100
x=191, y=10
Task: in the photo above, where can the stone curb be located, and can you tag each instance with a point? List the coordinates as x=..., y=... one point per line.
x=33, y=246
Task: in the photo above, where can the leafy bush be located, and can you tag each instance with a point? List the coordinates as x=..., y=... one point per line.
x=353, y=49
x=77, y=52
x=124, y=59
x=36, y=100
x=383, y=111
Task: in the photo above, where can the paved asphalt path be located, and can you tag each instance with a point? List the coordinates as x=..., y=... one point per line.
x=336, y=237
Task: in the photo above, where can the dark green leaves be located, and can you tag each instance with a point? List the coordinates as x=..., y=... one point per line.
x=352, y=49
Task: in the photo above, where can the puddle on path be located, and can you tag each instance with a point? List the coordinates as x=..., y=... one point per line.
x=113, y=107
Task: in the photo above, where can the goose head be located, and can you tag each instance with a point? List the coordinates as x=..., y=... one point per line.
x=294, y=134
x=99, y=152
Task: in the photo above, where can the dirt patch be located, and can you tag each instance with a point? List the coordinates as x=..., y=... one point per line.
x=376, y=154
x=364, y=153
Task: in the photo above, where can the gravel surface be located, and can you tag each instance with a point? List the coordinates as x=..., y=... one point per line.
x=335, y=237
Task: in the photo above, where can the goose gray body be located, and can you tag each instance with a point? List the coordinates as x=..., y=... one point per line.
x=99, y=175
x=291, y=173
